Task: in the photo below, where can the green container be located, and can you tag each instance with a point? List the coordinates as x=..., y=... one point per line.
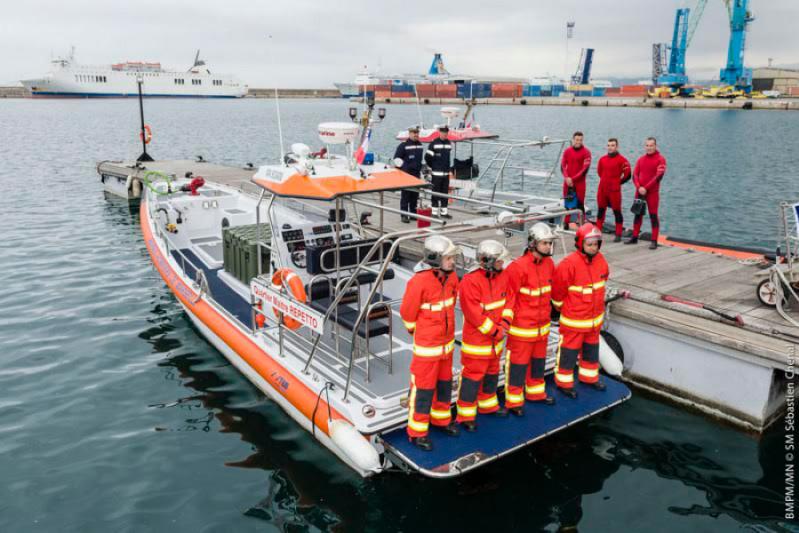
x=227, y=249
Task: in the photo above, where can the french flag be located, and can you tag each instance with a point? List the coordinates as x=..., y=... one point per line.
x=360, y=153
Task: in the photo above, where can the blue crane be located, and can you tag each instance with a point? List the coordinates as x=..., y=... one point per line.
x=668, y=66
x=735, y=73
x=673, y=74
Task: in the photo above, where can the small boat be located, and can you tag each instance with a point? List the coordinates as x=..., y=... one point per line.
x=300, y=293
x=464, y=131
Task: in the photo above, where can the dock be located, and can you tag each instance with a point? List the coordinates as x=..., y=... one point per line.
x=687, y=355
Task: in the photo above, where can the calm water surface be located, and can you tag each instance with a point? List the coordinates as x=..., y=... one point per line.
x=115, y=415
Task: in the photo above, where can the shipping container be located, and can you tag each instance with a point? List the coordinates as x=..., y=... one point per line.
x=506, y=90
x=474, y=90
x=793, y=91
x=426, y=90
x=598, y=91
x=382, y=94
x=532, y=90
x=395, y=94
x=581, y=88
x=613, y=91
x=449, y=90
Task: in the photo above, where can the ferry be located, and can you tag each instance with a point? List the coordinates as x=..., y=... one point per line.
x=68, y=78
x=291, y=282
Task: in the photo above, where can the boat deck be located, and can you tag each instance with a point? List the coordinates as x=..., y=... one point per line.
x=496, y=437
x=720, y=281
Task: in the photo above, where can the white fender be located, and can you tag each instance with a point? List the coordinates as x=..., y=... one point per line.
x=608, y=359
x=136, y=189
x=352, y=443
x=128, y=182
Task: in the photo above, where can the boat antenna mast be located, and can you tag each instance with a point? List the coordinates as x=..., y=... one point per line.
x=277, y=108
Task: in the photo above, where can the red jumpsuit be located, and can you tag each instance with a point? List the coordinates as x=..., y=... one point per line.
x=578, y=290
x=614, y=171
x=575, y=164
x=648, y=173
x=483, y=297
x=428, y=312
x=529, y=288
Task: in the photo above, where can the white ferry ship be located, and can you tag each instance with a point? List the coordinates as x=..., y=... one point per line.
x=68, y=78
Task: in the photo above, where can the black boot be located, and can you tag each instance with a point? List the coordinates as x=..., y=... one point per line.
x=631, y=240
x=516, y=411
x=617, y=238
x=598, y=386
x=423, y=443
x=451, y=429
x=501, y=412
x=446, y=215
x=469, y=425
x=653, y=245
x=405, y=219
x=571, y=393
x=549, y=400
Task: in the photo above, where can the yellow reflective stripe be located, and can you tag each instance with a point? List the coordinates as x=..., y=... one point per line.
x=490, y=402
x=433, y=351
x=507, y=313
x=536, y=292
x=584, y=324
x=532, y=332
x=440, y=415
x=467, y=411
x=493, y=305
x=421, y=427
x=587, y=289
x=514, y=397
x=438, y=306
x=568, y=378
x=418, y=426
x=589, y=373
x=535, y=389
x=481, y=349
x=409, y=325
x=486, y=326
x=557, y=303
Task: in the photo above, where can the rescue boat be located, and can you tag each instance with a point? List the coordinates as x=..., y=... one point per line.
x=465, y=130
x=301, y=294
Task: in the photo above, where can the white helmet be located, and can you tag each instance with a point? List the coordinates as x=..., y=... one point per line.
x=539, y=232
x=489, y=252
x=436, y=248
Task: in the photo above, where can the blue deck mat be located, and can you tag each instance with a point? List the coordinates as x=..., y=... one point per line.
x=220, y=291
x=496, y=435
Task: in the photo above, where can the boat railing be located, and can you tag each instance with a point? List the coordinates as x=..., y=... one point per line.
x=399, y=237
x=499, y=162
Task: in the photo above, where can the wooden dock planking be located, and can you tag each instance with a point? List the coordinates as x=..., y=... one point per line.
x=711, y=279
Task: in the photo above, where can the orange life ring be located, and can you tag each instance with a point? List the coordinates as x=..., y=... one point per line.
x=260, y=319
x=288, y=276
x=147, y=135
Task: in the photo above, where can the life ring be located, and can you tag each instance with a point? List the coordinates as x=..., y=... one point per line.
x=146, y=135
x=297, y=289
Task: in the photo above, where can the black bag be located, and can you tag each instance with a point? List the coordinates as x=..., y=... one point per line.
x=639, y=207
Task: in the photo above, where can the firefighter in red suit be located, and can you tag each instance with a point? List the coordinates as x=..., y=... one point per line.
x=530, y=291
x=614, y=171
x=486, y=316
x=574, y=166
x=647, y=175
x=578, y=292
x=428, y=312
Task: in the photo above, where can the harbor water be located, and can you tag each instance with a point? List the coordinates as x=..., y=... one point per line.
x=116, y=415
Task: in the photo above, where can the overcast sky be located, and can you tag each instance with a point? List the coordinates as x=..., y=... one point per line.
x=315, y=43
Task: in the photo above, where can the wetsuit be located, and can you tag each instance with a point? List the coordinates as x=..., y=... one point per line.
x=648, y=173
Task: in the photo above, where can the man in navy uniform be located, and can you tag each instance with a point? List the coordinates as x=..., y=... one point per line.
x=409, y=157
x=439, y=158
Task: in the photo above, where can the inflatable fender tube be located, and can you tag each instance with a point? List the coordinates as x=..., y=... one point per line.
x=128, y=183
x=608, y=359
x=355, y=446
